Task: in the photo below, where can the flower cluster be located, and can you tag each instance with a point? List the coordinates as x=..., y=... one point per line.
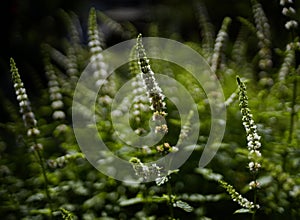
x=58, y=56
x=288, y=61
x=207, y=29
x=134, y=66
x=63, y=160
x=140, y=103
x=231, y=99
x=146, y=172
x=73, y=25
x=54, y=90
x=219, y=45
x=239, y=48
x=253, y=139
x=112, y=24
x=73, y=48
x=95, y=44
x=164, y=179
x=25, y=108
x=236, y=197
x=264, y=35
x=186, y=128
x=154, y=92
x=72, y=67
x=289, y=12
x=166, y=148
x=100, y=68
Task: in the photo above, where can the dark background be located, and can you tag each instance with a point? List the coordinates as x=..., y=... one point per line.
x=27, y=24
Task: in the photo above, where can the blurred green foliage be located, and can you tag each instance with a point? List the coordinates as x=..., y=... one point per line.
x=78, y=190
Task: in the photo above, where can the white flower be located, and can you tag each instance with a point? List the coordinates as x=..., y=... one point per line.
x=55, y=96
x=101, y=82
x=287, y=11
x=57, y=104
x=20, y=91
x=283, y=2
x=18, y=85
x=52, y=83
x=253, y=185
x=33, y=131
x=61, y=128
x=255, y=152
x=93, y=43
x=54, y=89
x=136, y=112
x=58, y=115
x=291, y=24
x=116, y=113
x=22, y=97
x=96, y=49
x=23, y=103
x=251, y=165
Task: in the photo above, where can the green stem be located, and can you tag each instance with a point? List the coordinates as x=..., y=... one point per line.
x=292, y=118
x=254, y=197
x=170, y=204
x=41, y=162
x=254, y=201
x=293, y=111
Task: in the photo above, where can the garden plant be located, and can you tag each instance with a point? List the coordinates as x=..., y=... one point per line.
x=254, y=172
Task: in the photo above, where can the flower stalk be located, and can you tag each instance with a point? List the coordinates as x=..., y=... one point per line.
x=253, y=140
x=30, y=123
x=154, y=92
x=263, y=34
x=219, y=45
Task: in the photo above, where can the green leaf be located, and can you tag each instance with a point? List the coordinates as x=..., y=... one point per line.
x=131, y=201
x=183, y=205
x=46, y=211
x=243, y=211
x=209, y=174
x=173, y=171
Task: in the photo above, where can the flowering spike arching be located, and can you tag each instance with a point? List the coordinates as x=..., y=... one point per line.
x=184, y=133
x=25, y=108
x=96, y=39
x=219, y=45
x=207, y=29
x=236, y=197
x=288, y=62
x=96, y=47
x=154, y=92
x=72, y=22
x=263, y=34
x=239, y=48
x=72, y=64
x=112, y=24
x=133, y=65
x=54, y=89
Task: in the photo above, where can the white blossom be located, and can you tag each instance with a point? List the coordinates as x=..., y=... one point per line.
x=58, y=115
x=291, y=24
